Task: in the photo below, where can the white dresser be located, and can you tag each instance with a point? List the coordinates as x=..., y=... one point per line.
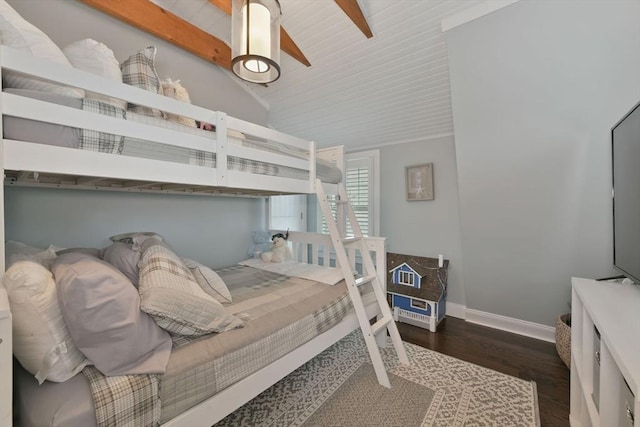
x=605, y=354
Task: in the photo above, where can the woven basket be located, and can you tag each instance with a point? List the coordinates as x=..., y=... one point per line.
x=563, y=338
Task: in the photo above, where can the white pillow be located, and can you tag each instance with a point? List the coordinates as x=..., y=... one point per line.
x=19, y=34
x=41, y=341
x=96, y=58
x=18, y=251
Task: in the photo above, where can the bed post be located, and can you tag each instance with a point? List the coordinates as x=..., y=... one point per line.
x=2, y=266
x=222, y=176
x=312, y=167
x=6, y=360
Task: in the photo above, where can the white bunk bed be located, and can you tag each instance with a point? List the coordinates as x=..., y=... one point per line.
x=36, y=164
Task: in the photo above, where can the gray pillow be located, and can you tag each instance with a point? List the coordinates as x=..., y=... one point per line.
x=170, y=294
x=102, y=312
x=124, y=258
x=137, y=235
x=88, y=251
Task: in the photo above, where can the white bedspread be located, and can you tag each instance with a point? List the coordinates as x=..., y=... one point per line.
x=318, y=273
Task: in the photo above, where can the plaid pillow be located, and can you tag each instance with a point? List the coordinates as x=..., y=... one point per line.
x=139, y=70
x=209, y=280
x=171, y=296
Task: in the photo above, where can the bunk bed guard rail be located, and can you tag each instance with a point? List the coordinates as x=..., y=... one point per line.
x=61, y=160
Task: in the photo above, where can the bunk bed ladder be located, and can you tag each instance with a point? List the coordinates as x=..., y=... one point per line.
x=341, y=243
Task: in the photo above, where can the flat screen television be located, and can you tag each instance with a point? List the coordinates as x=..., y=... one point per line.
x=625, y=148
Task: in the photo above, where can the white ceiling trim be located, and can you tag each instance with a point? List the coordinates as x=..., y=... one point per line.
x=474, y=13
x=365, y=147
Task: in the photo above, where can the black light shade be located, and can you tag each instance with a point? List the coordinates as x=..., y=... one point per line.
x=255, y=40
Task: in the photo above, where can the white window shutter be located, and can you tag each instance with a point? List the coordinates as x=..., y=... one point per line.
x=363, y=187
x=357, y=186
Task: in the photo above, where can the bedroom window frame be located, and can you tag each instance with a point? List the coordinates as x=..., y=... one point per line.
x=369, y=160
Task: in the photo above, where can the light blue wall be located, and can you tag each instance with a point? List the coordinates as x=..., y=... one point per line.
x=536, y=88
x=423, y=228
x=212, y=230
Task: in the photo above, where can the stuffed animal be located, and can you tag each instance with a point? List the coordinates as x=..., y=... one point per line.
x=173, y=89
x=280, y=250
x=261, y=243
x=205, y=126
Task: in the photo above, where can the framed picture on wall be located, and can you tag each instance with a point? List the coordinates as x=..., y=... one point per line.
x=419, y=182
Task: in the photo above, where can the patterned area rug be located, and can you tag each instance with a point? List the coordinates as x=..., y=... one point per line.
x=339, y=388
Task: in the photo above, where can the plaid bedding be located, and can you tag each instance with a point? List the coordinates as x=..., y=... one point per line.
x=144, y=149
x=126, y=400
x=115, y=144
x=207, y=159
x=93, y=140
x=281, y=313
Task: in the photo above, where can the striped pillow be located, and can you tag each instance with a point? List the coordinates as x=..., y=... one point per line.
x=171, y=296
x=208, y=280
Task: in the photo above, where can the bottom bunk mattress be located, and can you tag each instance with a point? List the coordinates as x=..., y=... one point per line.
x=281, y=313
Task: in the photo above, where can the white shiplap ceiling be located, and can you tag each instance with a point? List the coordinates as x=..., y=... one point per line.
x=358, y=92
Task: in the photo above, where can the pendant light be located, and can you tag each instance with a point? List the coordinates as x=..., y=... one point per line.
x=255, y=40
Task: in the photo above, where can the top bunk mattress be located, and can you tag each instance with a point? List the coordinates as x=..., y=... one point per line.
x=41, y=132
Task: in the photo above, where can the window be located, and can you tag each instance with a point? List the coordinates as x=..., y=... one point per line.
x=416, y=303
x=363, y=189
x=288, y=212
x=405, y=278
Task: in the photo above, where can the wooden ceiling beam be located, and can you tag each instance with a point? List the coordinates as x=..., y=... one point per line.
x=286, y=42
x=353, y=11
x=155, y=20
x=223, y=5
x=289, y=46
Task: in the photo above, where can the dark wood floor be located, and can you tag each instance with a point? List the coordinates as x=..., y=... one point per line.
x=512, y=354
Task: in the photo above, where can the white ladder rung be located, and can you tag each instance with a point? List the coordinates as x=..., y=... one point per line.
x=364, y=280
x=351, y=241
x=357, y=242
x=381, y=324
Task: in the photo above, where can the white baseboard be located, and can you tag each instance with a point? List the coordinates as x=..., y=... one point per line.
x=503, y=323
x=510, y=324
x=456, y=310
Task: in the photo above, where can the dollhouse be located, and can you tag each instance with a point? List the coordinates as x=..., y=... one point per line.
x=417, y=289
